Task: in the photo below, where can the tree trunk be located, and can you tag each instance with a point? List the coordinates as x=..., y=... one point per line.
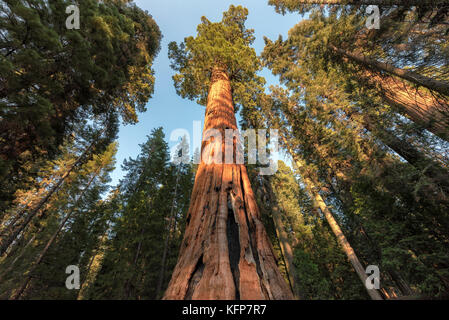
x=226, y=253
x=19, y=292
x=18, y=229
x=41, y=256
x=345, y=245
x=432, y=169
x=94, y=267
x=129, y=282
x=367, y=122
x=286, y=249
x=20, y=255
x=416, y=78
x=319, y=203
x=421, y=106
x=416, y=158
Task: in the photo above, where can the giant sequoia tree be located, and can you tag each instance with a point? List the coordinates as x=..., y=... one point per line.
x=225, y=253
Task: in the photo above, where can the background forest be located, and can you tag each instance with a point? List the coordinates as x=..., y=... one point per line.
x=363, y=122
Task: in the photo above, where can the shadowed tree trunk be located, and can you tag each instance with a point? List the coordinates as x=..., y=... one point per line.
x=18, y=294
x=430, y=168
x=15, y=230
x=265, y=192
x=311, y=188
x=341, y=238
x=287, y=251
x=170, y=229
x=225, y=253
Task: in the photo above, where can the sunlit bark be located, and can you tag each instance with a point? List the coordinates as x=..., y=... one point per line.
x=15, y=230
x=18, y=294
x=408, y=92
x=419, y=105
x=416, y=78
x=225, y=253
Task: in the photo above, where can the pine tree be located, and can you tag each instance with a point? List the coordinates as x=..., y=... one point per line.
x=349, y=163
x=66, y=235
x=319, y=203
x=53, y=77
x=154, y=196
x=61, y=171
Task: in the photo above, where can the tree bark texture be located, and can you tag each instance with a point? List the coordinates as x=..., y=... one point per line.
x=226, y=253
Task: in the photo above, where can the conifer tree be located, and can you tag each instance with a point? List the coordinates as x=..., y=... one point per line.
x=53, y=77
x=282, y=6
x=61, y=170
x=154, y=196
x=345, y=162
x=226, y=253
x=66, y=235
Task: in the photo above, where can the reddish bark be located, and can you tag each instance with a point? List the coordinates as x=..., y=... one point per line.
x=410, y=92
x=225, y=253
x=418, y=104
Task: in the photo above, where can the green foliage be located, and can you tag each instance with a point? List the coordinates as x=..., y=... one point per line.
x=151, y=191
x=53, y=78
x=326, y=107
x=224, y=45
x=75, y=243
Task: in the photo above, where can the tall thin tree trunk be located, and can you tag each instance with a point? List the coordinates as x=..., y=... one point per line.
x=286, y=249
x=345, y=245
x=16, y=230
x=225, y=253
x=129, y=282
x=11, y=265
x=41, y=256
x=93, y=269
x=21, y=290
x=319, y=203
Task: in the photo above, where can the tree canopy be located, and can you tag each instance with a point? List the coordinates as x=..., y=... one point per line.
x=224, y=45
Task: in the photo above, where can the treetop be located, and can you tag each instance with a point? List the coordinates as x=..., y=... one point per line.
x=224, y=45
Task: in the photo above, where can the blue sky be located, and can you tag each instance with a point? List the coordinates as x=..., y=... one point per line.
x=178, y=19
